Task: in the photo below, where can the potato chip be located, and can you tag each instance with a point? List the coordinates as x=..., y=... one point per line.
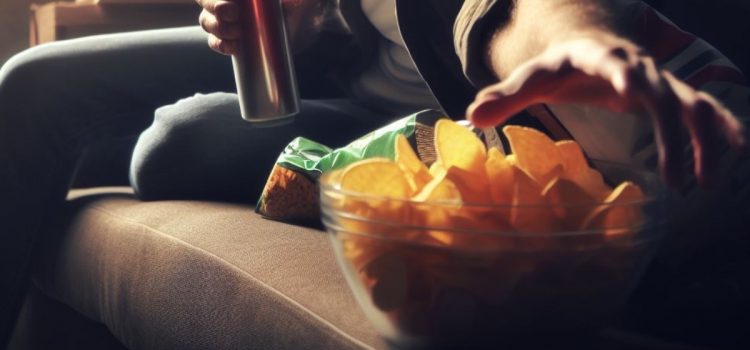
x=570, y=203
x=529, y=212
x=376, y=176
x=576, y=168
x=592, y=181
x=436, y=168
x=472, y=185
x=511, y=159
x=360, y=250
x=534, y=151
x=621, y=211
x=473, y=189
x=482, y=219
x=439, y=189
x=572, y=158
x=384, y=180
x=542, y=187
x=415, y=171
x=500, y=176
x=459, y=147
x=544, y=180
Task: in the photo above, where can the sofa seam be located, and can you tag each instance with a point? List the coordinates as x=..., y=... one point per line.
x=233, y=266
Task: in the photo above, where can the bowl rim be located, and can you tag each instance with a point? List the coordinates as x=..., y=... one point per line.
x=330, y=218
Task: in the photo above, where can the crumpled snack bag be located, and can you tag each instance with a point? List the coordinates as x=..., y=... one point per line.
x=291, y=191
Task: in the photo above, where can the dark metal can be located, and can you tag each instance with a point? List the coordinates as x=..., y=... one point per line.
x=263, y=69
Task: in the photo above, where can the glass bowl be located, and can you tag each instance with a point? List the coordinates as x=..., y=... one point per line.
x=470, y=279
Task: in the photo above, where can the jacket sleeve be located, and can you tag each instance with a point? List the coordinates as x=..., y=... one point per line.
x=473, y=27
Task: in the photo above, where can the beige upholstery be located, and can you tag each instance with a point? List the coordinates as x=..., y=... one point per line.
x=199, y=275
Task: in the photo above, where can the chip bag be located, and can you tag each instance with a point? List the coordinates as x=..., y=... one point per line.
x=291, y=191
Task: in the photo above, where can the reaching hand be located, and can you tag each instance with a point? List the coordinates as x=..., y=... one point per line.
x=615, y=74
x=219, y=19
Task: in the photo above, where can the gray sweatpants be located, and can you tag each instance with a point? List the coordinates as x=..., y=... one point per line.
x=59, y=99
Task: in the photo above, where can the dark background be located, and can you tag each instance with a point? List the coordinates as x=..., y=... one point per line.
x=14, y=31
x=724, y=23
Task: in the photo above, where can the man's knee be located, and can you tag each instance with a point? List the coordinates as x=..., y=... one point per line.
x=200, y=147
x=186, y=151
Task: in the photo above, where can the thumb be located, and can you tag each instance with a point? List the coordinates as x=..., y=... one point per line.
x=524, y=87
x=490, y=109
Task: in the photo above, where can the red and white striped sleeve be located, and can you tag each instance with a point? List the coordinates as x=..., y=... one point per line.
x=690, y=59
x=701, y=66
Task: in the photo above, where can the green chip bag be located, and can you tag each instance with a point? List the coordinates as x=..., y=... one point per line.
x=291, y=191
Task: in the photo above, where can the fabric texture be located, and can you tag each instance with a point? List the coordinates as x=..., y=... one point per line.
x=199, y=275
x=473, y=27
x=57, y=99
x=426, y=28
x=200, y=147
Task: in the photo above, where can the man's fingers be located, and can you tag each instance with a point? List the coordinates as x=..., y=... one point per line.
x=706, y=119
x=641, y=88
x=226, y=47
x=222, y=30
x=527, y=85
x=700, y=120
x=488, y=111
x=219, y=6
x=621, y=78
x=219, y=20
x=227, y=11
x=724, y=120
x=662, y=103
x=730, y=127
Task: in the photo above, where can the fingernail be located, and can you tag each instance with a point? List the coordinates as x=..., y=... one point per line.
x=477, y=115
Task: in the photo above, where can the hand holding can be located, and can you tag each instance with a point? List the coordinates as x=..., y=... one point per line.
x=263, y=69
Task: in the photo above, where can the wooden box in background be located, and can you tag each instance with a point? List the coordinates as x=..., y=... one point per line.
x=67, y=20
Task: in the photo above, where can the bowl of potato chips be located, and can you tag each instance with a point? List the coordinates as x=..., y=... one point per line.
x=482, y=247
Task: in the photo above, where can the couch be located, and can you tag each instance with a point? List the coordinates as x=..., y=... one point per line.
x=121, y=273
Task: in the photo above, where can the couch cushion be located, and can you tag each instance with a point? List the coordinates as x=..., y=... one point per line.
x=199, y=275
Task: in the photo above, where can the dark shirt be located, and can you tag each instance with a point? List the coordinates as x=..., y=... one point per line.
x=444, y=38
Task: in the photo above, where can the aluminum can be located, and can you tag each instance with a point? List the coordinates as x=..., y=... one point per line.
x=263, y=69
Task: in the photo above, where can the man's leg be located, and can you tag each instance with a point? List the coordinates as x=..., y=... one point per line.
x=200, y=148
x=57, y=98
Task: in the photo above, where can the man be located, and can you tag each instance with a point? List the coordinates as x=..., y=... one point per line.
x=583, y=52
x=618, y=77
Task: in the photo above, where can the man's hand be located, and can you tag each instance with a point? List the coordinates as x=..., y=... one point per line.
x=599, y=68
x=219, y=19
x=304, y=20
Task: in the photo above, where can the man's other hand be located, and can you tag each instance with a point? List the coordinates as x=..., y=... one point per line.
x=615, y=74
x=220, y=19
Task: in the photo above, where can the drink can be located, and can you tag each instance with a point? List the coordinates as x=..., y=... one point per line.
x=263, y=69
